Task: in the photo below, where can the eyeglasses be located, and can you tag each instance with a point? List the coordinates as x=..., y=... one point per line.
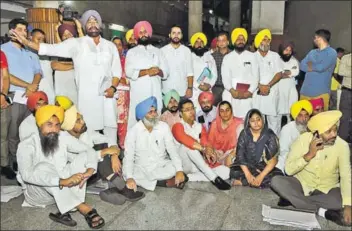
x=188, y=109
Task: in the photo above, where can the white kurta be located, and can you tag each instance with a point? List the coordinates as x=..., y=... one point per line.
x=287, y=87
x=141, y=58
x=240, y=68
x=208, y=118
x=288, y=135
x=146, y=159
x=94, y=65
x=40, y=175
x=199, y=64
x=47, y=84
x=180, y=67
x=65, y=85
x=27, y=127
x=269, y=65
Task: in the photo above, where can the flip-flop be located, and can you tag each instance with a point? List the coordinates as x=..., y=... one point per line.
x=64, y=219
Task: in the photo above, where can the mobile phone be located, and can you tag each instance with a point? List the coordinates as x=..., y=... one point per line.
x=8, y=100
x=316, y=134
x=201, y=120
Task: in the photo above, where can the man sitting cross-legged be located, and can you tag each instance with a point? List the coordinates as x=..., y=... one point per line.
x=146, y=162
x=109, y=166
x=50, y=172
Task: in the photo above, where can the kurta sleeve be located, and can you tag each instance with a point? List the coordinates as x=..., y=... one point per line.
x=42, y=174
x=163, y=65
x=171, y=148
x=131, y=72
x=213, y=69
x=226, y=73
x=130, y=149
x=285, y=145
x=116, y=69
x=189, y=63
x=65, y=49
x=255, y=73
x=295, y=161
x=345, y=66
x=295, y=71
x=241, y=149
x=345, y=175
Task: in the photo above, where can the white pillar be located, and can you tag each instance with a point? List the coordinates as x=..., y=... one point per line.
x=46, y=4
x=195, y=23
x=235, y=14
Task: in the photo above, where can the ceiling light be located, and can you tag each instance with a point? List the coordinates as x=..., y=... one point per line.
x=210, y=11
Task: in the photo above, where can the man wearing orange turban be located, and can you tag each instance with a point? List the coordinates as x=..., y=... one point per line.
x=28, y=125
x=266, y=99
x=204, y=67
x=146, y=67
x=300, y=112
x=240, y=74
x=51, y=173
x=208, y=112
x=319, y=170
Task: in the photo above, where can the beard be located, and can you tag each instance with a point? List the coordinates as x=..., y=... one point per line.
x=173, y=109
x=301, y=127
x=93, y=31
x=284, y=57
x=207, y=109
x=264, y=48
x=131, y=45
x=239, y=48
x=175, y=40
x=330, y=142
x=144, y=41
x=199, y=51
x=150, y=122
x=83, y=129
x=49, y=143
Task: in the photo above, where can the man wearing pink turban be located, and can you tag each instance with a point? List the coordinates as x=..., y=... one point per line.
x=208, y=112
x=145, y=66
x=318, y=105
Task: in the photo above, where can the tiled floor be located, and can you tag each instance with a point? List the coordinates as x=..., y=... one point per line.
x=198, y=206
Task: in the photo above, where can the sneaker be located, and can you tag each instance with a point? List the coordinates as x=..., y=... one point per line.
x=8, y=173
x=221, y=184
x=131, y=195
x=336, y=216
x=113, y=196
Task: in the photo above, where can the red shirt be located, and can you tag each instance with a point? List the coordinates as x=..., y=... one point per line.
x=3, y=61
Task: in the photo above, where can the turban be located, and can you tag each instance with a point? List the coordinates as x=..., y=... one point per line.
x=45, y=113
x=237, y=32
x=206, y=95
x=63, y=102
x=171, y=94
x=34, y=98
x=201, y=36
x=316, y=103
x=89, y=13
x=128, y=35
x=144, y=107
x=70, y=119
x=324, y=121
x=213, y=43
x=139, y=25
x=260, y=36
x=62, y=28
x=298, y=106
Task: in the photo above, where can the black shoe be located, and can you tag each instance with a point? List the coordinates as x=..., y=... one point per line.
x=283, y=202
x=221, y=184
x=15, y=166
x=131, y=195
x=63, y=219
x=336, y=216
x=8, y=173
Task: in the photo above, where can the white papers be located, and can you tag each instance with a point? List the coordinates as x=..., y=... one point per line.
x=9, y=192
x=298, y=219
x=97, y=187
x=123, y=88
x=20, y=97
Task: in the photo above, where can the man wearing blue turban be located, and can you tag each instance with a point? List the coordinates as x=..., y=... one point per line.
x=146, y=162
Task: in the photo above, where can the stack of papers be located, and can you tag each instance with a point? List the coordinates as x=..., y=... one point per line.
x=292, y=218
x=97, y=187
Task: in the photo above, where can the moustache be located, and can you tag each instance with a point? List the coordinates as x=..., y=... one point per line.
x=49, y=143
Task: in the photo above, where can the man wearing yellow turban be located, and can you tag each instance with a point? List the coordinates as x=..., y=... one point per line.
x=240, y=74
x=131, y=41
x=300, y=112
x=63, y=101
x=318, y=163
x=266, y=99
x=54, y=170
x=204, y=67
x=107, y=152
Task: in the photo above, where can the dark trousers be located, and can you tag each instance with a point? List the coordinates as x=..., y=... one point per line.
x=4, y=139
x=217, y=92
x=18, y=112
x=291, y=189
x=345, y=128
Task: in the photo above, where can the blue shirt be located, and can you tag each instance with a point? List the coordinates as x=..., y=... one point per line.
x=22, y=63
x=318, y=81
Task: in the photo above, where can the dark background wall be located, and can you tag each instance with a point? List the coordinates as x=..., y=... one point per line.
x=303, y=18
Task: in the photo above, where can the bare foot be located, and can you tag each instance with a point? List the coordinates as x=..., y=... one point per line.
x=84, y=209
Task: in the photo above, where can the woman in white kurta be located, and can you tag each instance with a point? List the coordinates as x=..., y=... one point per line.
x=142, y=58
x=199, y=64
x=239, y=68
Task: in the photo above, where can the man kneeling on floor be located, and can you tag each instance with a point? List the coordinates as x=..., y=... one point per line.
x=319, y=162
x=51, y=174
x=146, y=162
x=109, y=166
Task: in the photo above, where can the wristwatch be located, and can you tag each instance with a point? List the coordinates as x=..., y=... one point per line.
x=113, y=87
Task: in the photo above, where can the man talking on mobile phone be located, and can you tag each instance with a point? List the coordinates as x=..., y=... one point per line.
x=319, y=171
